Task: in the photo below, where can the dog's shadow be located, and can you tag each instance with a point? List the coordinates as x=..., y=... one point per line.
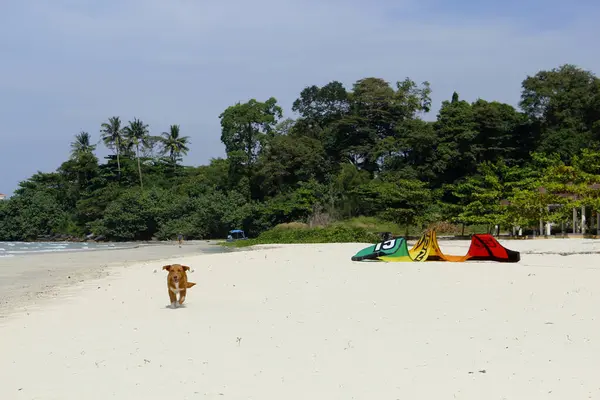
x=170, y=306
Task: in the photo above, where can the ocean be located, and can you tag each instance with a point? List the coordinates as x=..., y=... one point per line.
x=12, y=249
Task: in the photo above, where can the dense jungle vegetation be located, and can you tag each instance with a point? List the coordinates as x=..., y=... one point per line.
x=365, y=153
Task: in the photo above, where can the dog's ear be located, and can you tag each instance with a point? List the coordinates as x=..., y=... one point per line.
x=185, y=268
x=167, y=267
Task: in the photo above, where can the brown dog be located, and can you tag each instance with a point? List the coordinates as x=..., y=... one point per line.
x=177, y=282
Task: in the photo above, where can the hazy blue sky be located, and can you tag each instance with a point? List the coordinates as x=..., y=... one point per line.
x=68, y=65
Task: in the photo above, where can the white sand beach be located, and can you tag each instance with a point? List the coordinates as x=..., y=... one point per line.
x=305, y=322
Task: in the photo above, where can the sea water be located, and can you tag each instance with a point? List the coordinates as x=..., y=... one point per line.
x=11, y=249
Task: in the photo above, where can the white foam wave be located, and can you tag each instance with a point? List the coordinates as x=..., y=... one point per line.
x=23, y=248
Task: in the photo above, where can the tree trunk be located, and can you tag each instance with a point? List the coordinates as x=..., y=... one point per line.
x=139, y=165
x=249, y=145
x=119, y=158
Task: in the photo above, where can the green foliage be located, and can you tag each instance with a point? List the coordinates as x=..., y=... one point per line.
x=401, y=201
x=137, y=137
x=354, y=161
x=32, y=215
x=173, y=144
x=112, y=136
x=82, y=146
x=564, y=101
x=372, y=224
x=332, y=234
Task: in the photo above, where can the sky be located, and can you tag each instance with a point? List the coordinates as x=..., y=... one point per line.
x=68, y=65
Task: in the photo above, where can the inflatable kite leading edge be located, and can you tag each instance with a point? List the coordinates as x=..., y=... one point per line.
x=393, y=248
x=484, y=247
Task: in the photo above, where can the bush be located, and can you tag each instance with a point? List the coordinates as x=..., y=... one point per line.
x=186, y=226
x=289, y=235
x=292, y=225
x=371, y=224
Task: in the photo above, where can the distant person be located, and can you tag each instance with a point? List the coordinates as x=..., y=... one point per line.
x=180, y=239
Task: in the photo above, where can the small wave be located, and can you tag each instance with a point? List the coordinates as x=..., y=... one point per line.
x=23, y=248
x=46, y=250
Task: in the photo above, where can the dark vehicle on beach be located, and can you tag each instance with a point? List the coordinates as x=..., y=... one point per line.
x=236, y=234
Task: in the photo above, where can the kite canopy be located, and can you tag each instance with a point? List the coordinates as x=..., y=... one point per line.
x=394, y=248
x=484, y=247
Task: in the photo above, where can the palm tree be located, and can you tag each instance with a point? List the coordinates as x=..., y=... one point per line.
x=81, y=145
x=173, y=144
x=82, y=154
x=112, y=135
x=137, y=134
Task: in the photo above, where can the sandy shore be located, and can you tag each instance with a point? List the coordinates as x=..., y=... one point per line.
x=304, y=322
x=28, y=279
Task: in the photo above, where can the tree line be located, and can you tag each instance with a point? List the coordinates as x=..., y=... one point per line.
x=348, y=152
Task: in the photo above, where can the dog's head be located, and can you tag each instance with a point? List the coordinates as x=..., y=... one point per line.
x=177, y=272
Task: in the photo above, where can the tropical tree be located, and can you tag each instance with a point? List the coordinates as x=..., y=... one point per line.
x=564, y=104
x=361, y=152
x=138, y=135
x=173, y=144
x=82, y=145
x=112, y=135
x=244, y=129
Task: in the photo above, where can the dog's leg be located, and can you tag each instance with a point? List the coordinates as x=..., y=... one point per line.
x=173, y=298
x=182, y=296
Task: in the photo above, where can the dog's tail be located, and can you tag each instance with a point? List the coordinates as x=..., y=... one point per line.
x=190, y=284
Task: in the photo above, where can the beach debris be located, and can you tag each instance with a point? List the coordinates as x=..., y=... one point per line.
x=239, y=341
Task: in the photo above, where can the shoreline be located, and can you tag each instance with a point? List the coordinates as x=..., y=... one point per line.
x=26, y=280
